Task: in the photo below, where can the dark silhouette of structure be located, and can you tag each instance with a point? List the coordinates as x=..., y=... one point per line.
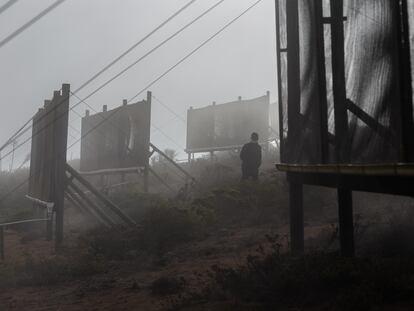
x=251, y=156
x=345, y=102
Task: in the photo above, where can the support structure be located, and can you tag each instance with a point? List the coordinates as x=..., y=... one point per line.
x=297, y=237
x=48, y=157
x=404, y=57
x=293, y=73
x=335, y=169
x=338, y=82
x=346, y=222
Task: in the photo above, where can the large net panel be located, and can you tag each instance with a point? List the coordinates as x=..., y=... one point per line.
x=372, y=64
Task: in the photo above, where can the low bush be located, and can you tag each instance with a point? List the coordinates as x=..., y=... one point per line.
x=167, y=286
x=49, y=271
x=278, y=281
x=160, y=229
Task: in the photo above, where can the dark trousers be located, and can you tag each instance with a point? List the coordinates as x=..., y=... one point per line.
x=250, y=172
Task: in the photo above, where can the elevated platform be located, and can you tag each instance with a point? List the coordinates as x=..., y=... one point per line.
x=387, y=178
x=384, y=169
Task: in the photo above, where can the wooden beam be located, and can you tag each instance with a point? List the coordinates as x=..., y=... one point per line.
x=162, y=181
x=297, y=237
x=173, y=162
x=97, y=210
x=61, y=139
x=293, y=76
x=395, y=185
x=111, y=171
x=372, y=123
x=74, y=199
x=128, y=220
x=342, y=154
x=1, y=243
x=323, y=101
x=346, y=222
x=405, y=83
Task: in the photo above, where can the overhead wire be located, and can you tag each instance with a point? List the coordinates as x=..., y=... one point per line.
x=31, y=22
x=119, y=74
x=7, y=5
x=108, y=66
x=169, y=109
x=149, y=85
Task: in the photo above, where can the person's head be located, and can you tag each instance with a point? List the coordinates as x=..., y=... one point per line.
x=254, y=137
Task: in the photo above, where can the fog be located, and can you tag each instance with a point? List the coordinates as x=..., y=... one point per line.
x=78, y=38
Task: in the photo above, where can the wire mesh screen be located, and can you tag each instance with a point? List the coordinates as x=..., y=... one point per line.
x=117, y=138
x=364, y=123
x=227, y=125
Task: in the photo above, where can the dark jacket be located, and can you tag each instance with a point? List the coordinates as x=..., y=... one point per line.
x=251, y=156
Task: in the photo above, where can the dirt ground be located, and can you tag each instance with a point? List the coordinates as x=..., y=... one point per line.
x=127, y=284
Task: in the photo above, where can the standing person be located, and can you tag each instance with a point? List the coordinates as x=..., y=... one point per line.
x=251, y=156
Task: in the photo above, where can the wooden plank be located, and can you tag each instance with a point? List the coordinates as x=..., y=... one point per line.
x=293, y=77
x=395, y=185
x=147, y=164
x=112, y=171
x=173, y=162
x=76, y=191
x=61, y=139
x=404, y=59
x=47, y=154
x=342, y=153
x=297, y=236
x=322, y=104
x=279, y=80
x=162, y=181
x=372, y=123
x=77, y=201
x=92, y=189
x=346, y=222
x=1, y=243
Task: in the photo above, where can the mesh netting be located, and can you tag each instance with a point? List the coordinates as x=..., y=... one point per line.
x=372, y=82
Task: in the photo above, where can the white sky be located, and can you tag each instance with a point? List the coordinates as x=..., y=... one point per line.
x=80, y=37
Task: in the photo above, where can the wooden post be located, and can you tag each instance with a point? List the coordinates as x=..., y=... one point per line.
x=47, y=158
x=293, y=76
x=61, y=137
x=2, y=243
x=279, y=81
x=147, y=162
x=297, y=235
x=342, y=154
x=346, y=222
x=146, y=178
x=404, y=58
x=322, y=104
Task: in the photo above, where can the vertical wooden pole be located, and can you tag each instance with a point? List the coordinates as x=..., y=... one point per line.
x=146, y=178
x=2, y=243
x=279, y=81
x=342, y=154
x=47, y=158
x=147, y=163
x=61, y=136
x=297, y=236
x=346, y=222
x=293, y=76
x=404, y=57
x=323, y=101
x=124, y=104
